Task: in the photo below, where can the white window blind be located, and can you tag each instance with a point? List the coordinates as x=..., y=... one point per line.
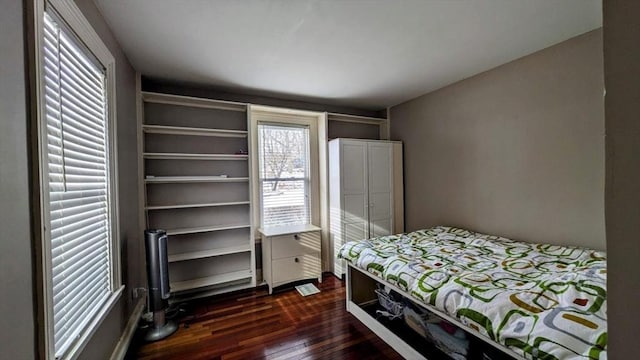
x=78, y=182
x=284, y=174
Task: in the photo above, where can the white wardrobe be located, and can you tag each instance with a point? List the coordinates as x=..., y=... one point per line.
x=365, y=192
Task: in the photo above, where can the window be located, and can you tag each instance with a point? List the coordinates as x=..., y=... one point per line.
x=285, y=171
x=284, y=174
x=78, y=174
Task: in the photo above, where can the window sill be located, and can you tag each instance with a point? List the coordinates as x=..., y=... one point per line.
x=76, y=349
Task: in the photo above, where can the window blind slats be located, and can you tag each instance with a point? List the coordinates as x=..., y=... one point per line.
x=79, y=209
x=70, y=163
x=74, y=170
x=65, y=308
x=86, y=118
x=76, y=221
x=76, y=124
x=67, y=72
x=62, y=197
x=86, y=304
x=73, y=79
x=68, y=267
x=66, y=43
x=69, y=241
x=82, y=200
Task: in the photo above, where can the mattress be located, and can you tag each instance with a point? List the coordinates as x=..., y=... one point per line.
x=541, y=301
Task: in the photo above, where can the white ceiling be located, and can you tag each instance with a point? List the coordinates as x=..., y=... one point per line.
x=369, y=54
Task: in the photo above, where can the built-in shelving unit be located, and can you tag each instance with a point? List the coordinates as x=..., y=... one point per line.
x=197, y=189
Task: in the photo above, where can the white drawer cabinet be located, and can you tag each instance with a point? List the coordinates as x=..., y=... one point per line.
x=290, y=253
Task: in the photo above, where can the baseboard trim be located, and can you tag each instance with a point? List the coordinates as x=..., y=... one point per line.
x=121, y=348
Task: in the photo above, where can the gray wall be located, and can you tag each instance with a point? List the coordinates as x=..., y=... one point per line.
x=622, y=204
x=516, y=151
x=17, y=328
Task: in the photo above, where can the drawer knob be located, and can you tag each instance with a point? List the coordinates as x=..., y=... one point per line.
x=296, y=260
x=296, y=236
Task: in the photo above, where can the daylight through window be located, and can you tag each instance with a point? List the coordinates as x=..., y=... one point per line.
x=284, y=174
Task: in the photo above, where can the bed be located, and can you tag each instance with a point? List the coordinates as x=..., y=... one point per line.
x=539, y=301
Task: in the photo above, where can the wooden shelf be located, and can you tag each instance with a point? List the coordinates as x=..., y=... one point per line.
x=210, y=253
x=189, y=206
x=179, y=130
x=355, y=119
x=210, y=280
x=201, y=229
x=192, y=179
x=190, y=295
x=184, y=156
x=189, y=101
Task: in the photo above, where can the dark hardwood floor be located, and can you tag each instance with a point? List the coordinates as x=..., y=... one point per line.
x=255, y=325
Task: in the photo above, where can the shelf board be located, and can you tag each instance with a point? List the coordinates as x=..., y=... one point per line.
x=201, y=229
x=184, y=156
x=194, y=294
x=188, y=206
x=210, y=253
x=355, y=119
x=210, y=280
x=179, y=130
x=190, y=101
x=192, y=179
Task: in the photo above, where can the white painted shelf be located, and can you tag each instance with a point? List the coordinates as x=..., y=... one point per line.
x=189, y=101
x=201, y=229
x=188, y=206
x=185, y=156
x=186, y=296
x=210, y=253
x=355, y=119
x=179, y=130
x=211, y=280
x=192, y=179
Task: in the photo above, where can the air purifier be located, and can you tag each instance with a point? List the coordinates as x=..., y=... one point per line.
x=158, y=276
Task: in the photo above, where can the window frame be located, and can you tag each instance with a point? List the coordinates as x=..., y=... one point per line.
x=68, y=12
x=259, y=114
x=308, y=173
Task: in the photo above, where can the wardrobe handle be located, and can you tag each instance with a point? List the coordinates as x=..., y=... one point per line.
x=296, y=260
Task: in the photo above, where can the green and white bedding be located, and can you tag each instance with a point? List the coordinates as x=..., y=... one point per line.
x=541, y=301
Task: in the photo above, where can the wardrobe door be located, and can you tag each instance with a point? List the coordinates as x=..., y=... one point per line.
x=380, y=188
x=354, y=190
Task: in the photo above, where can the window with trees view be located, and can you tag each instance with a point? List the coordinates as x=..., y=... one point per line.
x=284, y=174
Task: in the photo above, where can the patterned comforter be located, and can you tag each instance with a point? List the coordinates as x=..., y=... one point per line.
x=541, y=301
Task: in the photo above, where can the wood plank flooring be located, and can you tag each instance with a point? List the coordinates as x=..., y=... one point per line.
x=255, y=325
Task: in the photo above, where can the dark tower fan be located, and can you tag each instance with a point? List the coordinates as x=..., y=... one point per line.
x=158, y=275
